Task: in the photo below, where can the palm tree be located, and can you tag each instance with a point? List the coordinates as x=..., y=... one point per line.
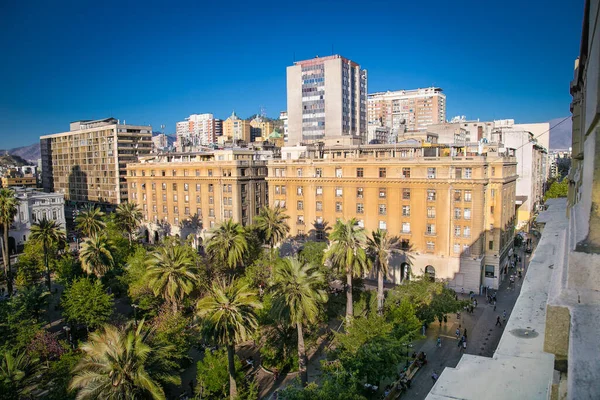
x=48, y=233
x=229, y=315
x=96, y=255
x=8, y=209
x=129, y=217
x=228, y=244
x=347, y=253
x=380, y=248
x=272, y=225
x=14, y=369
x=172, y=274
x=90, y=222
x=298, y=296
x=115, y=365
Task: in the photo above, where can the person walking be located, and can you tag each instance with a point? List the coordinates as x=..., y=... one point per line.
x=504, y=316
x=460, y=342
x=457, y=333
x=434, y=377
x=498, y=321
x=464, y=346
x=494, y=304
x=465, y=334
x=439, y=342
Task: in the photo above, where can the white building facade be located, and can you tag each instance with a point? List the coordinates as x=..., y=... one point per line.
x=197, y=130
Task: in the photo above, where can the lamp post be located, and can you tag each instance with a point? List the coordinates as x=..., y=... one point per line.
x=135, y=307
x=68, y=333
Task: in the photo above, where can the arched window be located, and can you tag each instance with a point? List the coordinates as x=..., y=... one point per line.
x=430, y=272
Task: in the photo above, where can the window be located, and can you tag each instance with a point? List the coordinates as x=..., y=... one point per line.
x=430, y=229
x=175, y=197
x=493, y=193
x=406, y=227
x=430, y=212
x=406, y=172
x=467, y=231
x=431, y=173
x=197, y=199
x=468, y=173
x=457, y=230
x=466, y=249
x=406, y=211
x=174, y=186
x=338, y=192
x=430, y=246
x=165, y=209
x=185, y=172
x=211, y=212
x=489, y=271
x=382, y=225
x=467, y=195
x=360, y=223
x=153, y=185
x=493, y=171
x=405, y=194
x=276, y=203
x=164, y=186
x=382, y=193
x=174, y=172
x=338, y=172
x=360, y=172
x=197, y=172
x=467, y=213
x=458, y=173
x=360, y=208
x=457, y=195
x=491, y=245
x=319, y=190
x=338, y=206
x=176, y=210
x=197, y=187
x=382, y=172
x=300, y=220
x=210, y=172
x=359, y=192
x=456, y=248
x=186, y=211
x=211, y=200
x=457, y=213
x=283, y=190
x=319, y=206
x=491, y=209
x=277, y=190
x=299, y=172
x=186, y=198
x=382, y=209
x=299, y=190
x=199, y=212
x=430, y=195
x=212, y=224
x=318, y=172
x=300, y=205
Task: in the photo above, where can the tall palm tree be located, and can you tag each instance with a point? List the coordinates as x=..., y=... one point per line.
x=272, y=225
x=115, y=365
x=14, y=369
x=347, y=253
x=228, y=244
x=129, y=217
x=90, y=222
x=380, y=248
x=229, y=315
x=8, y=209
x=171, y=274
x=96, y=255
x=48, y=233
x=298, y=296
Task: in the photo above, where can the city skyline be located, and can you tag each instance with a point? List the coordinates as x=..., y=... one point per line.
x=149, y=73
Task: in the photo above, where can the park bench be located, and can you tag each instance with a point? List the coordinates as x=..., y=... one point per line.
x=410, y=372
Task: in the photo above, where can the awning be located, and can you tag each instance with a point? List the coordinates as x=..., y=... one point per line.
x=520, y=200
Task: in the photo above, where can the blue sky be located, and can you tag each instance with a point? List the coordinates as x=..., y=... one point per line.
x=157, y=62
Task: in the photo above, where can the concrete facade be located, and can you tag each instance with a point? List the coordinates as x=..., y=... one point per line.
x=235, y=129
x=197, y=130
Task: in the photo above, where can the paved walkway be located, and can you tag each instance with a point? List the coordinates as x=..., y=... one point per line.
x=483, y=335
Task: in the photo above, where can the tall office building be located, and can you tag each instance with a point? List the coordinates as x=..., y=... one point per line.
x=88, y=163
x=326, y=101
x=452, y=207
x=197, y=130
x=407, y=110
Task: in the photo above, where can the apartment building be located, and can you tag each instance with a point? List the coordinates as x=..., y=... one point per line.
x=235, y=129
x=407, y=110
x=88, y=163
x=260, y=129
x=15, y=178
x=198, y=130
x=160, y=142
x=283, y=116
x=452, y=207
x=326, y=101
x=189, y=193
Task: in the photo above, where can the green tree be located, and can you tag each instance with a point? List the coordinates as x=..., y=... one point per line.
x=129, y=217
x=380, y=249
x=272, y=225
x=213, y=376
x=58, y=376
x=115, y=365
x=229, y=316
x=15, y=372
x=171, y=274
x=557, y=189
x=313, y=253
x=227, y=244
x=68, y=268
x=87, y=302
x=298, y=298
x=90, y=221
x=172, y=329
x=347, y=253
x=8, y=209
x=48, y=233
x=96, y=255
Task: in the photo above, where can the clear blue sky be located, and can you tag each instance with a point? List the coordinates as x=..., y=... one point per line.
x=157, y=62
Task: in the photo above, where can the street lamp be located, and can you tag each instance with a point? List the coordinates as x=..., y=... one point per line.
x=135, y=307
x=68, y=332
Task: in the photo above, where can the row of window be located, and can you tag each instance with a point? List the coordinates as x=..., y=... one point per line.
x=360, y=172
x=209, y=172
x=228, y=188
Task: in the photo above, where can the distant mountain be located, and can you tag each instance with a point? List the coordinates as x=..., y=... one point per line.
x=29, y=153
x=560, y=133
x=8, y=159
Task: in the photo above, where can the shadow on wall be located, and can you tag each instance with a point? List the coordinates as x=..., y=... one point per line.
x=78, y=185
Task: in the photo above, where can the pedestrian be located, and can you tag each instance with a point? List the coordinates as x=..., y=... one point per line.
x=434, y=376
x=439, y=342
x=498, y=321
x=504, y=316
x=457, y=333
x=494, y=305
x=459, y=342
x=475, y=302
x=465, y=334
x=464, y=346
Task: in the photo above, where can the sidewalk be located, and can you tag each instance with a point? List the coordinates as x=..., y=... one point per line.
x=483, y=335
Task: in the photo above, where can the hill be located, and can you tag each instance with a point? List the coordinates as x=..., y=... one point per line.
x=8, y=159
x=30, y=153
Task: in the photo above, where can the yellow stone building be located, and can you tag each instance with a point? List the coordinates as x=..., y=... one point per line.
x=235, y=128
x=189, y=193
x=452, y=208
x=261, y=129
